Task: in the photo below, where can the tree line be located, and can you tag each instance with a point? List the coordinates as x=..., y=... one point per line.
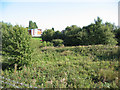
x=93, y=34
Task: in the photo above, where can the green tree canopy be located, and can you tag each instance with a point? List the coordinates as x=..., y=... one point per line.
x=117, y=35
x=95, y=33
x=72, y=35
x=48, y=35
x=100, y=33
x=32, y=25
x=57, y=35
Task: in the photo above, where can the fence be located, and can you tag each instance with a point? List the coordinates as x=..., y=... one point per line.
x=4, y=80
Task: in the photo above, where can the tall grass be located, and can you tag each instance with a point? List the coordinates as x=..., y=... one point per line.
x=93, y=66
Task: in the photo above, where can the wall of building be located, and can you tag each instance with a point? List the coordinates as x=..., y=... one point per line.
x=35, y=32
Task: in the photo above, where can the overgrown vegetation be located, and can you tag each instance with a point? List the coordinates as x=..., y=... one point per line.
x=90, y=61
x=70, y=67
x=57, y=42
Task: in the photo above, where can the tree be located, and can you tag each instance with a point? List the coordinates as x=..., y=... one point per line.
x=107, y=36
x=16, y=45
x=104, y=33
x=117, y=35
x=48, y=35
x=52, y=28
x=93, y=34
x=98, y=21
x=72, y=35
x=57, y=35
x=35, y=25
x=100, y=33
x=32, y=25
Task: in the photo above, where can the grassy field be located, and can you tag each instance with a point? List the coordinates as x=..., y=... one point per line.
x=0, y=52
x=36, y=38
x=93, y=66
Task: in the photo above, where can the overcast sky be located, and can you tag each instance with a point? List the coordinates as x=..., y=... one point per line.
x=58, y=13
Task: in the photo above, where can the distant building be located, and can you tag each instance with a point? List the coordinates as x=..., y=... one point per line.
x=35, y=32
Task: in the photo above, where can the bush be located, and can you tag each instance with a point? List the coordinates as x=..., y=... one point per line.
x=49, y=44
x=57, y=42
x=44, y=44
x=16, y=45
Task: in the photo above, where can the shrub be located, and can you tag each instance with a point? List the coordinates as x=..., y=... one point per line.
x=49, y=44
x=57, y=42
x=16, y=45
x=44, y=44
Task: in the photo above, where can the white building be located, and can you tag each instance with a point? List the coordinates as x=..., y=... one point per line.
x=35, y=32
